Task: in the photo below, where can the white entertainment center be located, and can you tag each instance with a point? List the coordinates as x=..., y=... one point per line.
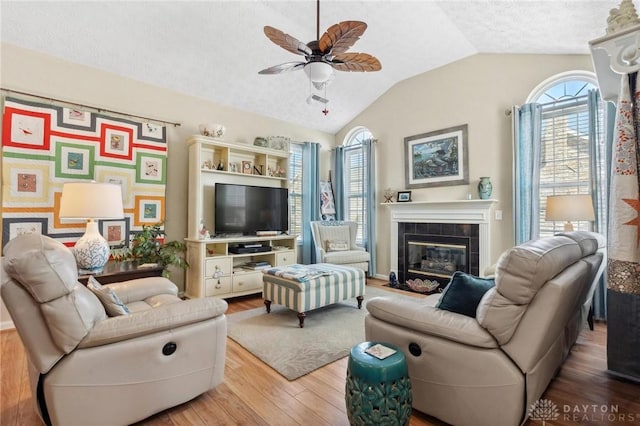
x=221, y=266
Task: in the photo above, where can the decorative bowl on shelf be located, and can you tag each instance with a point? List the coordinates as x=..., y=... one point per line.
x=422, y=286
x=260, y=141
x=212, y=130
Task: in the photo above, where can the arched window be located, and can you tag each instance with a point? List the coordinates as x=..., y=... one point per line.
x=355, y=183
x=567, y=127
x=357, y=136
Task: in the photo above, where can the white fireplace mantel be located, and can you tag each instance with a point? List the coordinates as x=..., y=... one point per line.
x=454, y=211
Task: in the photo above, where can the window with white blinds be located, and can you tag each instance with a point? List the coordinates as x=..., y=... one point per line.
x=356, y=190
x=565, y=159
x=295, y=189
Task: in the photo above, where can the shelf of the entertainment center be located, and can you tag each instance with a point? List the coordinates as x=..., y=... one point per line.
x=219, y=246
x=241, y=239
x=262, y=162
x=224, y=172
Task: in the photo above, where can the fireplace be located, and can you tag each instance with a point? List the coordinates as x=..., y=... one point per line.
x=433, y=227
x=435, y=251
x=428, y=258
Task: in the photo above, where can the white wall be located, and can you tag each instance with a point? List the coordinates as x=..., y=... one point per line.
x=40, y=74
x=474, y=91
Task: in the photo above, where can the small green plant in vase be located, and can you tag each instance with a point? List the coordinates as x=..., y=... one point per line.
x=147, y=247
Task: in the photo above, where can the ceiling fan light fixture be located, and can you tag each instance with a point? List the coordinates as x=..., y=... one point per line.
x=318, y=71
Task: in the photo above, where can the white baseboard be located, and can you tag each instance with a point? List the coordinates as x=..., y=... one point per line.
x=7, y=325
x=382, y=277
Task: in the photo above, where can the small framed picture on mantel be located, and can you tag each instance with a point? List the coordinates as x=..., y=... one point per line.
x=404, y=196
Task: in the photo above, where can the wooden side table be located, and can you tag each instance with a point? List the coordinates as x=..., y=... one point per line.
x=114, y=272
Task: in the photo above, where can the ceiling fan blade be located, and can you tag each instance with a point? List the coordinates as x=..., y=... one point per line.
x=286, y=67
x=341, y=36
x=356, y=62
x=287, y=42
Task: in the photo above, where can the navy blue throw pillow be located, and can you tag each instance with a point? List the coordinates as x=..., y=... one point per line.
x=463, y=293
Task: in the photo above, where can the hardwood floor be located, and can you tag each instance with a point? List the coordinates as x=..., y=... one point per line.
x=254, y=394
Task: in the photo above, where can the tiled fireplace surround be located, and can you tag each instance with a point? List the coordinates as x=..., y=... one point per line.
x=465, y=234
x=443, y=218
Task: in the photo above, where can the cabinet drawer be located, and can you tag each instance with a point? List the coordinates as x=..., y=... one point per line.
x=285, y=258
x=244, y=281
x=216, y=286
x=221, y=263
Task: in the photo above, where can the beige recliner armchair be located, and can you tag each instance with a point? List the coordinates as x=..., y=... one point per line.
x=490, y=368
x=335, y=243
x=87, y=368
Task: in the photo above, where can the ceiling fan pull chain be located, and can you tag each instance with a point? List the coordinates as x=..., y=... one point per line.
x=325, y=111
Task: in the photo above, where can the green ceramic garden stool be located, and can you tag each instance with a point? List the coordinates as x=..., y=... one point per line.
x=378, y=391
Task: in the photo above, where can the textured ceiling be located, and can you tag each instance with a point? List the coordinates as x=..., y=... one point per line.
x=214, y=49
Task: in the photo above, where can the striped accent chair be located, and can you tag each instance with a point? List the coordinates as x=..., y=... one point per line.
x=335, y=243
x=337, y=284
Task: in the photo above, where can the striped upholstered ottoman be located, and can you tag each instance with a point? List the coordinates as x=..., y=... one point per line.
x=303, y=288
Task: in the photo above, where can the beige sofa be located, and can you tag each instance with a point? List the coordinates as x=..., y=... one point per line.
x=87, y=368
x=490, y=369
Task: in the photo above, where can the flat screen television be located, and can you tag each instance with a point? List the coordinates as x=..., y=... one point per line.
x=246, y=209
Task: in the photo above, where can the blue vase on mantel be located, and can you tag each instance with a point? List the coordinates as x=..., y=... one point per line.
x=485, y=188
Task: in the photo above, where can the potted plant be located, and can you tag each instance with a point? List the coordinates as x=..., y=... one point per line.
x=147, y=247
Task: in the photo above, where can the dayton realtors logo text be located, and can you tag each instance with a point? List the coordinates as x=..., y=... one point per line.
x=545, y=410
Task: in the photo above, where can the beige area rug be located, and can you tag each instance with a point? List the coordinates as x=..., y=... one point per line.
x=329, y=333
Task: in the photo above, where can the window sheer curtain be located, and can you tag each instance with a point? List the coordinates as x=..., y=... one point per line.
x=310, y=198
x=601, y=122
x=338, y=181
x=368, y=149
x=526, y=151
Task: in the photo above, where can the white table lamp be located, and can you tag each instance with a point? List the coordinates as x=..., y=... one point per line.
x=90, y=201
x=577, y=207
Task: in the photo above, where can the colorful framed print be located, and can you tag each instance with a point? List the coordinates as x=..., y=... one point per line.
x=149, y=210
x=151, y=168
x=74, y=161
x=438, y=158
x=152, y=131
x=28, y=130
x=77, y=118
x=116, y=232
x=12, y=227
x=117, y=141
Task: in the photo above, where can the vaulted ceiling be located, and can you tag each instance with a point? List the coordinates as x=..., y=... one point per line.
x=214, y=49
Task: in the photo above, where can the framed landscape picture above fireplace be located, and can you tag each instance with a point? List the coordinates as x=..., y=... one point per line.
x=438, y=158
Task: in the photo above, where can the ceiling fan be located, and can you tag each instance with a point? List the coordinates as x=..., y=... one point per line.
x=324, y=54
